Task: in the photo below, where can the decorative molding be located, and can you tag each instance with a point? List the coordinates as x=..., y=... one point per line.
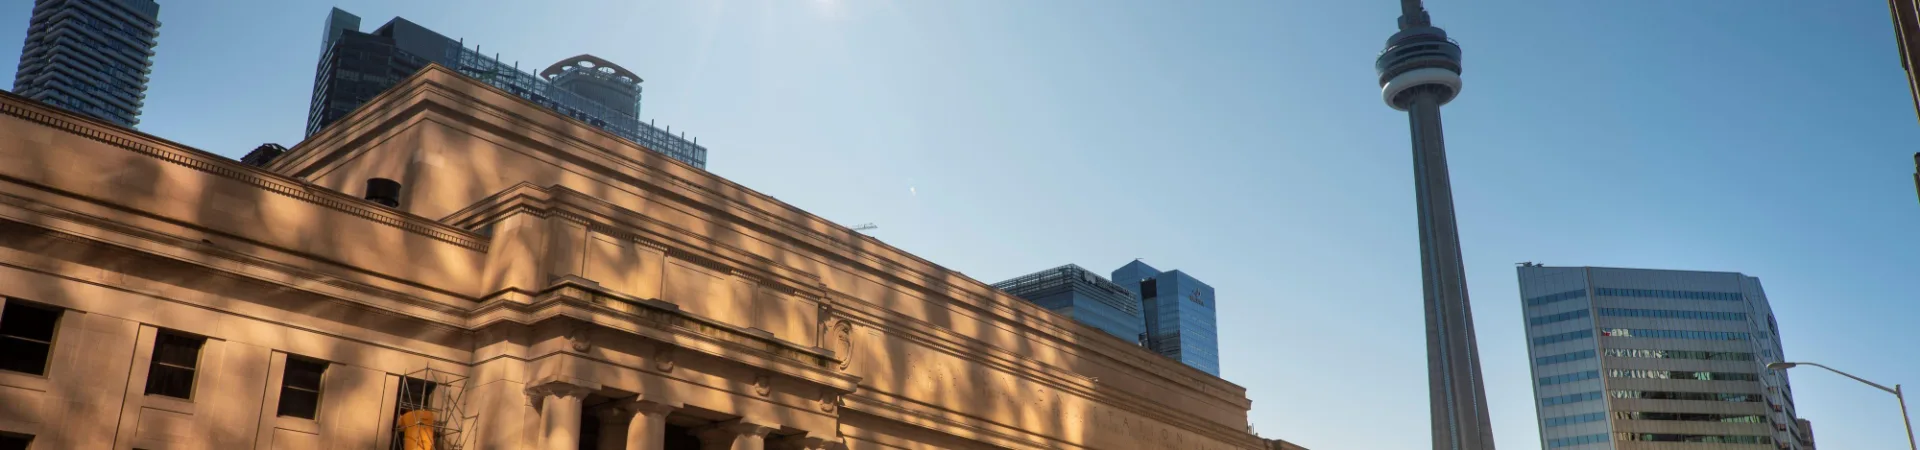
x=841, y=341
x=233, y=170
x=663, y=359
x=763, y=384
x=829, y=401
x=581, y=338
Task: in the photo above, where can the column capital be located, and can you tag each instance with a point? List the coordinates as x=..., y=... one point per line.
x=613, y=414
x=732, y=428
x=560, y=388
x=649, y=407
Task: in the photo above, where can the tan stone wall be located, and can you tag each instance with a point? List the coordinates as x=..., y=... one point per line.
x=530, y=252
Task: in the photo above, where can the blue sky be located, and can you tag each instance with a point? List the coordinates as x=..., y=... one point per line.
x=1245, y=143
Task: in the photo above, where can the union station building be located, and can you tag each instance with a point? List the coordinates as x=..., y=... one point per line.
x=454, y=267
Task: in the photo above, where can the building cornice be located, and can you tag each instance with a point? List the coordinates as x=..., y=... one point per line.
x=752, y=213
x=600, y=215
x=163, y=150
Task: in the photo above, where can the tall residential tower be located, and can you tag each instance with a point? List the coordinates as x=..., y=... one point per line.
x=1419, y=72
x=90, y=56
x=1633, y=359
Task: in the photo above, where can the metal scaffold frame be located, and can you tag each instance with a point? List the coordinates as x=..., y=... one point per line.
x=431, y=411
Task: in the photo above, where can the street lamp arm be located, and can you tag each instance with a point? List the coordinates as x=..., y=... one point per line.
x=1848, y=375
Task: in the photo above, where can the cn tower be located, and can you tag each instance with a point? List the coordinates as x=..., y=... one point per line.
x=1419, y=71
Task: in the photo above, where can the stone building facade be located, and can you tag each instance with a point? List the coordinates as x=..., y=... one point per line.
x=543, y=283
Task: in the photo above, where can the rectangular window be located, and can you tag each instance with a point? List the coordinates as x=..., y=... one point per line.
x=1690, y=417
x=1569, y=378
x=175, y=358
x=1700, y=438
x=1570, y=420
x=1563, y=337
x=1576, y=440
x=300, y=387
x=1681, y=295
x=1679, y=354
x=1682, y=375
x=26, y=337
x=1676, y=334
x=1563, y=357
x=1557, y=318
x=1672, y=314
x=1694, y=396
x=1556, y=298
x=10, y=441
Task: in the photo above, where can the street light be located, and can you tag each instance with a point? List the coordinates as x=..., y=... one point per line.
x=1783, y=366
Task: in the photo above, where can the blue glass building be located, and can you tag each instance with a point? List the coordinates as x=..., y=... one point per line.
x=356, y=66
x=1179, y=312
x=90, y=56
x=1084, y=296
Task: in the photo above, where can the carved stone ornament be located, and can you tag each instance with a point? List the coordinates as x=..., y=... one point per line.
x=840, y=341
x=663, y=359
x=829, y=401
x=581, y=338
x=762, y=384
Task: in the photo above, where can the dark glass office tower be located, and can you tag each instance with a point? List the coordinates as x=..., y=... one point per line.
x=1179, y=312
x=1084, y=296
x=355, y=67
x=90, y=56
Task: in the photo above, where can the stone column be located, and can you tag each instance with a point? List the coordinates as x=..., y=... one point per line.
x=647, y=429
x=736, y=434
x=613, y=427
x=559, y=413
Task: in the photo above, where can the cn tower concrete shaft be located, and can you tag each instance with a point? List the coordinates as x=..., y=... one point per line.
x=1419, y=72
x=1457, y=393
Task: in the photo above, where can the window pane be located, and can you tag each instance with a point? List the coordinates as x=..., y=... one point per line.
x=28, y=322
x=177, y=350
x=23, y=356
x=303, y=374
x=170, y=381
x=298, y=403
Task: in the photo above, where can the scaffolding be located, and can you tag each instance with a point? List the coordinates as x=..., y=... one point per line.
x=430, y=411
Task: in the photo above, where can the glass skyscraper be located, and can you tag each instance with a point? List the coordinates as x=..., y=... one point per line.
x=1631, y=359
x=355, y=67
x=1179, y=312
x=90, y=56
x=1084, y=296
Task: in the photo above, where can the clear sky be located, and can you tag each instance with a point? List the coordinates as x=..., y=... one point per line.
x=1245, y=143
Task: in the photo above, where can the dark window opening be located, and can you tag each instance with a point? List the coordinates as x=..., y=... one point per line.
x=9, y=441
x=680, y=438
x=589, y=431
x=1149, y=288
x=175, y=358
x=26, y=337
x=300, y=387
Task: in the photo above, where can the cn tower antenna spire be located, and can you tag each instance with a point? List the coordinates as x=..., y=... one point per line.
x=1413, y=14
x=1419, y=72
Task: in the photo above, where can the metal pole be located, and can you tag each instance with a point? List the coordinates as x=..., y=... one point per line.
x=1896, y=394
x=1903, y=416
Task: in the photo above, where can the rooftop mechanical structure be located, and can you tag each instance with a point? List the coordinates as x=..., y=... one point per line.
x=598, y=80
x=1419, y=72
